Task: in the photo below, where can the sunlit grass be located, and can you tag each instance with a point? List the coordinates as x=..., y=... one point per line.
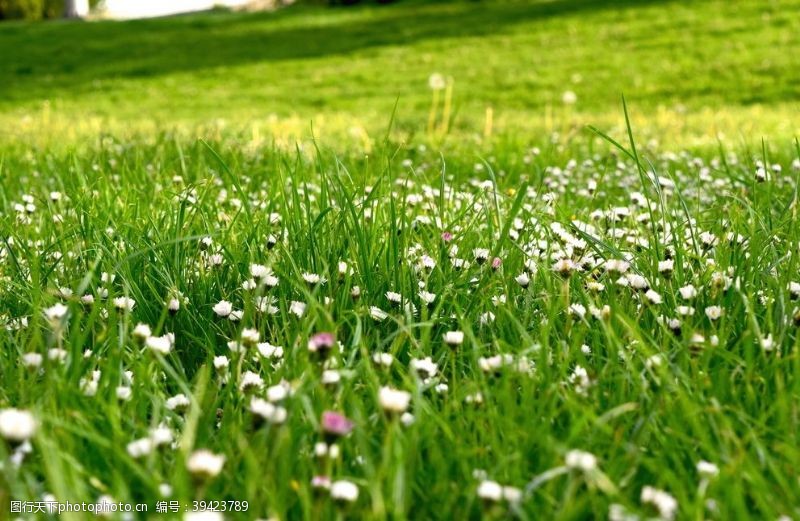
x=691, y=72
x=276, y=259
x=547, y=352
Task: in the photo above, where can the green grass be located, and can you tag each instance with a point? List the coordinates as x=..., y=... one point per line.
x=724, y=399
x=107, y=115
x=692, y=71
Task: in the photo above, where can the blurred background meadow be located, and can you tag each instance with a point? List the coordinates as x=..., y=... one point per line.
x=694, y=73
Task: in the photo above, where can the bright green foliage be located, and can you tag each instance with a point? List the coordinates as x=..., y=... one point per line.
x=607, y=330
x=543, y=369
x=692, y=71
x=25, y=9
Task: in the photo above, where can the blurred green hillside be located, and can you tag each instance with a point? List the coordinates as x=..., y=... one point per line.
x=693, y=72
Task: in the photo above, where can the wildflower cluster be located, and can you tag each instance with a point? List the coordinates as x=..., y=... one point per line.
x=356, y=344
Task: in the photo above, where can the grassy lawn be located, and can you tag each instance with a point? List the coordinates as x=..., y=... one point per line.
x=505, y=319
x=692, y=71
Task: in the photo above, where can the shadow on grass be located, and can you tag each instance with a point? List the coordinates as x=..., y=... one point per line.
x=40, y=59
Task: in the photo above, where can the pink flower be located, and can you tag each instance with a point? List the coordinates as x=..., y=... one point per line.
x=336, y=424
x=321, y=342
x=323, y=482
x=496, y=263
x=447, y=236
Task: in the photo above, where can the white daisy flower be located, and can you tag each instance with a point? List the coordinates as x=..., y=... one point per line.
x=124, y=303
x=377, y=314
x=490, y=491
x=666, y=505
x=204, y=463
x=141, y=331
x=267, y=411
x=581, y=460
x=707, y=469
x=17, y=425
x=159, y=344
x=297, y=308
x=344, y=491
x=223, y=308
x=393, y=400
x=177, y=403
x=713, y=312
x=250, y=381
x=56, y=313
x=454, y=338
